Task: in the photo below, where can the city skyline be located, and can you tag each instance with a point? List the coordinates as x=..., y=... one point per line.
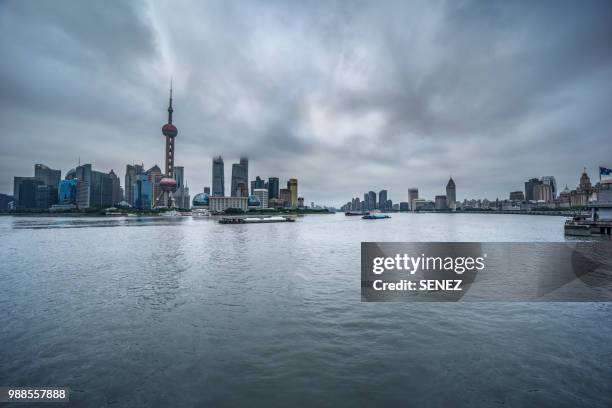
x=389, y=96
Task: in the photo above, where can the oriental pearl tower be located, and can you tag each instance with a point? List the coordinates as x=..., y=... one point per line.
x=168, y=183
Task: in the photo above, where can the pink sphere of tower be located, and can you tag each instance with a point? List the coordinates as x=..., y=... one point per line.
x=168, y=184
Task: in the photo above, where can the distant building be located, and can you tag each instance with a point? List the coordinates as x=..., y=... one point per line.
x=451, y=195
x=218, y=177
x=300, y=202
x=131, y=174
x=382, y=200
x=207, y=190
x=24, y=192
x=240, y=178
x=67, y=192
x=143, y=192
x=154, y=175
x=201, y=200
x=273, y=187
x=220, y=204
x=47, y=175
x=181, y=195
x=117, y=193
x=584, y=193
x=529, y=187
x=404, y=206
x=292, y=186
x=258, y=183
x=517, y=196
x=262, y=196
x=5, y=199
x=550, y=181
x=413, y=194
x=423, y=205
x=542, y=192
x=371, y=199
x=441, y=202
x=285, y=196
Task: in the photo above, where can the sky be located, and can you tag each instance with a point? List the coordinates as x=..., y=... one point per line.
x=347, y=96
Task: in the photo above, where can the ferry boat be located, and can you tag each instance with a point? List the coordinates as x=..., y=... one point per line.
x=254, y=220
x=354, y=213
x=375, y=216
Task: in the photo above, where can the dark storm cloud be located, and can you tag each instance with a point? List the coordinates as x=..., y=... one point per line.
x=346, y=96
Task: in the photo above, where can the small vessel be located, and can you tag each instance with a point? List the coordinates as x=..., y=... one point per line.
x=200, y=212
x=354, y=213
x=254, y=220
x=375, y=216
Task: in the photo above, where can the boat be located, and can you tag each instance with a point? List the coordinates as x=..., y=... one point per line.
x=255, y=220
x=376, y=216
x=200, y=212
x=599, y=220
x=171, y=213
x=354, y=213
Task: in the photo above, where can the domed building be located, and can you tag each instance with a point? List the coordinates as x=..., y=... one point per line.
x=254, y=202
x=200, y=200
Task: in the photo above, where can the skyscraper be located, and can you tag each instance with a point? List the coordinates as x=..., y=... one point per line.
x=371, y=200
x=262, y=196
x=292, y=186
x=413, y=194
x=258, y=183
x=143, y=192
x=116, y=188
x=218, y=181
x=451, y=196
x=273, y=186
x=47, y=175
x=131, y=173
x=529, y=187
x=382, y=200
x=240, y=178
x=550, y=181
x=181, y=195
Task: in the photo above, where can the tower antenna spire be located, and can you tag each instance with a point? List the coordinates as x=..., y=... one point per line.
x=170, y=110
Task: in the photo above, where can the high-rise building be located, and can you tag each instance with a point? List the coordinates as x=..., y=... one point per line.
x=292, y=186
x=181, y=195
x=262, y=196
x=404, y=206
x=218, y=177
x=382, y=200
x=240, y=178
x=451, y=196
x=117, y=195
x=517, y=196
x=143, y=192
x=542, y=192
x=285, y=196
x=550, y=181
x=258, y=183
x=167, y=183
x=47, y=175
x=529, y=187
x=441, y=202
x=206, y=190
x=5, y=199
x=154, y=175
x=413, y=194
x=371, y=200
x=300, y=202
x=24, y=192
x=273, y=186
x=67, y=192
x=131, y=174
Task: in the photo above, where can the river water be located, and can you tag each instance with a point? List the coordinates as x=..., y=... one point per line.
x=131, y=312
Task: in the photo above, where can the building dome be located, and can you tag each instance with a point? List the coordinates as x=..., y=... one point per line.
x=169, y=130
x=254, y=201
x=200, y=200
x=168, y=183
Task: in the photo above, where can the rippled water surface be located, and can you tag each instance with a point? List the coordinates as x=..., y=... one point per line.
x=132, y=312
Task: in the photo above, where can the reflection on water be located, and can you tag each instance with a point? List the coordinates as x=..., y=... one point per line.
x=188, y=312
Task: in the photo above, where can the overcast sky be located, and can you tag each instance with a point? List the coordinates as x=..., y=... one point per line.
x=346, y=96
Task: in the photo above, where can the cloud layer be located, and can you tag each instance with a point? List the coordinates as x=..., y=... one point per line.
x=347, y=96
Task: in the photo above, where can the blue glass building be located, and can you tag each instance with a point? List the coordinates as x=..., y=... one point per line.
x=143, y=192
x=200, y=200
x=66, y=193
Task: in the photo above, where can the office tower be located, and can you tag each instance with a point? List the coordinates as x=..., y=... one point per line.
x=143, y=192
x=47, y=175
x=131, y=173
x=292, y=186
x=167, y=183
x=371, y=200
x=542, y=192
x=154, y=175
x=181, y=195
x=240, y=178
x=24, y=192
x=83, y=194
x=517, y=196
x=441, y=202
x=413, y=194
x=550, y=181
x=389, y=205
x=206, y=190
x=258, y=183
x=117, y=196
x=218, y=177
x=451, y=196
x=285, y=196
x=67, y=192
x=262, y=196
x=404, y=206
x=273, y=186
x=529, y=186
x=300, y=202
x=5, y=199
x=382, y=200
